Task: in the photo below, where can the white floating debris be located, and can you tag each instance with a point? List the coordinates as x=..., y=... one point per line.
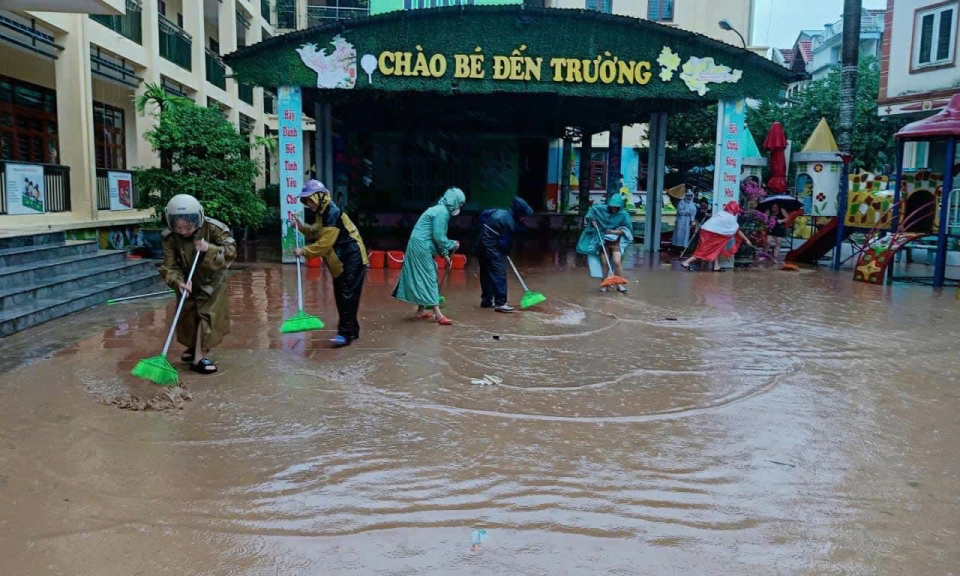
x=487, y=380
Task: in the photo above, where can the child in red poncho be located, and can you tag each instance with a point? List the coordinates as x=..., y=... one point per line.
x=720, y=236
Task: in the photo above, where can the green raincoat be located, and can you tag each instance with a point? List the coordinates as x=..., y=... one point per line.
x=589, y=242
x=418, y=278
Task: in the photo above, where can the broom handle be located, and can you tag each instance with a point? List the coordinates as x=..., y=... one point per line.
x=690, y=241
x=150, y=295
x=520, y=278
x=604, y=247
x=183, y=298
x=296, y=236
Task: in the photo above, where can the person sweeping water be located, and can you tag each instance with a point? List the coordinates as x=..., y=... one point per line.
x=418, y=276
x=607, y=228
x=720, y=236
x=205, y=317
x=497, y=228
x=335, y=239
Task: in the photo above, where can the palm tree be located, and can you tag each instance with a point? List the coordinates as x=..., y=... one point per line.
x=849, y=61
x=164, y=101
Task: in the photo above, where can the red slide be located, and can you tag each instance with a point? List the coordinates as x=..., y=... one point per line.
x=817, y=245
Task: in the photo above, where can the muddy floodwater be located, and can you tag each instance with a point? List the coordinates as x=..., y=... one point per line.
x=746, y=423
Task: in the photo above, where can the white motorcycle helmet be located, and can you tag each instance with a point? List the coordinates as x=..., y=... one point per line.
x=184, y=208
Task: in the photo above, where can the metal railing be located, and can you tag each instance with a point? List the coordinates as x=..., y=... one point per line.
x=103, y=189
x=245, y=92
x=24, y=33
x=130, y=25
x=318, y=15
x=216, y=70
x=175, y=44
x=56, y=185
x=869, y=23
x=287, y=14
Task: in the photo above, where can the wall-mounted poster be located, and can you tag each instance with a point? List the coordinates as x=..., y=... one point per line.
x=121, y=190
x=25, y=192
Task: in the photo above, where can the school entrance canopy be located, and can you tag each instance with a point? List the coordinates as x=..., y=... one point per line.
x=507, y=71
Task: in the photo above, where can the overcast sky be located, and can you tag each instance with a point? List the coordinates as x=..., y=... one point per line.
x=778, y=22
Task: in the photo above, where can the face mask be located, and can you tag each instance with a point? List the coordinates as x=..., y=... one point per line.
x=455, y=212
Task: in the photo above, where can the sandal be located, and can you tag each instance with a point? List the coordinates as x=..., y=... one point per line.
x=202, y=367
x=424, y=316
x=187, y=357
x=686, y=267
x=444, y=321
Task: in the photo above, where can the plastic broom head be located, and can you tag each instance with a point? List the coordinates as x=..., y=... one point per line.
x=442, y=300
x=157, y=370
x=532, y=299
x=301, y=322
x=613, y=281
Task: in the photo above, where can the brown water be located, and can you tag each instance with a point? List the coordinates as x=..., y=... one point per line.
x=756, y=422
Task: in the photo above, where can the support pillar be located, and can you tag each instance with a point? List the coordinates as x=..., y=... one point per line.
x=194, y=26
x=228, y=43
x=566, y=167
x=940, y=264
x=323, y=160
x=657, y=136
x=898, y=184
x=75, y=117
x=586, y=151
x=614, y=157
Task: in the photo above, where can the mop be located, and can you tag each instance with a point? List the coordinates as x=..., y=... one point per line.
x=301, y=321
x=113, y=301
x=611, y=279
x=158, y=369
x=529, y=298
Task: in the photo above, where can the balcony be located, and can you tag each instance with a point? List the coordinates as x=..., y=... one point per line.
x=103, y=189
x=266, y=11
x=336, y=10
x=245, y=92
x=129, y=25
x=175, y=44
x=216, y=70
x=56, y=184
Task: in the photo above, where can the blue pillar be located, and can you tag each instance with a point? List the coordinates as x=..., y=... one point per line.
x=898, y=184
x=841, y=214
x=941, y=262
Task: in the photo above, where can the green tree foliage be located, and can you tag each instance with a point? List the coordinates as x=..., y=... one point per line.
x=208, y=159
x=873, y=143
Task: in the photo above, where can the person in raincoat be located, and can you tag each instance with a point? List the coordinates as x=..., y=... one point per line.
x=334, y=238
x=616, y=231
x=720, y=236
x=686, y=212
x=205, y=318
x=418, y=277
x=497, y=227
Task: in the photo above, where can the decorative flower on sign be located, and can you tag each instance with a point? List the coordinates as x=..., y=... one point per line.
x=335, y=70
x=669, y=62
x=818, y=167
x=698, y=72
x=821, y=197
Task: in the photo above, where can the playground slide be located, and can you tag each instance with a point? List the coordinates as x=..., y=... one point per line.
x=875, y=261
x=817, y=245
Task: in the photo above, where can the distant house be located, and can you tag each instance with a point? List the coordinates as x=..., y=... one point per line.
x=826, y=47
x=799, y=58
x=919, y=72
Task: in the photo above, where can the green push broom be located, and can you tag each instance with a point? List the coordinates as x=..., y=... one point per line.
x=446, y=274
x=529, y=298
x=301, y=321
x=158, y=369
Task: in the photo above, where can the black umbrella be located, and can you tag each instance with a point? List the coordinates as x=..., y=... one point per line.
x=788, y=203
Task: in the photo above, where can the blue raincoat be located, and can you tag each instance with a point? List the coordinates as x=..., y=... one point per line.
x=418, y=277
x=497, y=228
x=589, y=242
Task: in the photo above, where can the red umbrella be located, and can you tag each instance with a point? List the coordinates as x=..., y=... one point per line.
x=775, y=143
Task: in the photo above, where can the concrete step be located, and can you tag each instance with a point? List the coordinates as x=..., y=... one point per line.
x=54, y=287
x=44, y=310
x=32, y=240
x=24, y=255
x=27, y=274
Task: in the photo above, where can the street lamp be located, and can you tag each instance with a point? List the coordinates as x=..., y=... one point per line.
x=725, y=25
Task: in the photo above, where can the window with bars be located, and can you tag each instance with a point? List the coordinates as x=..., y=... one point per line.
x=28, y=122
x=934, y=36
x=600, y=6
x=109, y=136
x=410, y=4
x=660, y=10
